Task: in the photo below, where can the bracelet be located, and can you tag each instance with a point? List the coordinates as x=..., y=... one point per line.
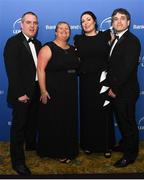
x=43, y=92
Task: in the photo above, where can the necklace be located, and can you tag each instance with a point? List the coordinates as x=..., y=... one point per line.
x=64, y=48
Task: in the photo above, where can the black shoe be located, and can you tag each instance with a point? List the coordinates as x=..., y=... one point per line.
x=123, y=162
x=65, y=160
x=88, y=152
x=22, y=170
x=107, y=154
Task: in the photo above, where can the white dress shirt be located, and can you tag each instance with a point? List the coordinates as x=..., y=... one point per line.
x=116, y=40
x=34, y=54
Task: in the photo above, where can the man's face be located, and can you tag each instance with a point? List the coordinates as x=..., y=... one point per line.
x=120, y=22
x=29, y=25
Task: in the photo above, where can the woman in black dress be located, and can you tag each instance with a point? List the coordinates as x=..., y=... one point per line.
x=57, y=65
x=96, y=120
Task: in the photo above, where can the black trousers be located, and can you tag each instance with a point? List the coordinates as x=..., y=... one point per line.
x=124, y=109
x=24, y=127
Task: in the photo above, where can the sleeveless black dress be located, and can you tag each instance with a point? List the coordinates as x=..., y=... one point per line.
x=96, y=119
x=58, y=132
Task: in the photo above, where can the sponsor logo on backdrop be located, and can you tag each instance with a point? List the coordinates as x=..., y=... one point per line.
x=52, y=27
x=16, y=26
x=138, y=26
x=141, y=123
x=142, y=93
x=105, y=24
x=9, y=123
x=142, y=61
x=1, y=92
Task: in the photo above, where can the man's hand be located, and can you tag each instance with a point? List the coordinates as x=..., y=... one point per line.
x=24, y=99
x=111, y=94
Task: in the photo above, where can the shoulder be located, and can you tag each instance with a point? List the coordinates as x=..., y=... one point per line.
x=133, y=38
x=78, y=37
x=47, y=47
x=13, y=38
x=17, y=38
x=132, y=42
x=45, y=51
x=13, y=41
x=48, y=44
x=105, y=34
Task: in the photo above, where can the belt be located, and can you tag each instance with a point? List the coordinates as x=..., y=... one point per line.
x=71, y=71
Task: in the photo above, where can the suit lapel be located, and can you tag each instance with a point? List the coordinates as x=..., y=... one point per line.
x=26, y=45
x=120, y=40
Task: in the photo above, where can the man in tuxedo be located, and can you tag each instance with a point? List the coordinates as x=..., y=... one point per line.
x=123, y=83
x=20, y=57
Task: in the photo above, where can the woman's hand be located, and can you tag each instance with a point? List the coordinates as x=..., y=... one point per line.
x=44, y=97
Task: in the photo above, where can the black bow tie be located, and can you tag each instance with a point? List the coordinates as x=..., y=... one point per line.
x=31, y=40
x=117, y=37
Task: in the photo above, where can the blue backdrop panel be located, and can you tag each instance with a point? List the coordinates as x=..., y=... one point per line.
x=49, y=13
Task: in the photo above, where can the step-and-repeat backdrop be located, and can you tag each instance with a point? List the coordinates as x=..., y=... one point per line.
x=49, y=13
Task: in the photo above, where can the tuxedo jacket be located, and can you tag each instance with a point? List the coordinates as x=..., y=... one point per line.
x=20, y=67
x=123, y=65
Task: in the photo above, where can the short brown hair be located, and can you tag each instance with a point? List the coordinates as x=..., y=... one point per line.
x=121, y=11
x=62, y=22
x=29, y=12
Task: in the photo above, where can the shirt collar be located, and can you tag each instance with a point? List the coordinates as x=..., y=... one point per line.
x=27, y=38
x=121, y=33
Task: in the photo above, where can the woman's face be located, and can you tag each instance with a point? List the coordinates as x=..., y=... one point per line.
x=63, y=31
x=88, y=23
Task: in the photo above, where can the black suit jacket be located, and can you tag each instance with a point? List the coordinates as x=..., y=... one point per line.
x=20, y=67
x=123, y=64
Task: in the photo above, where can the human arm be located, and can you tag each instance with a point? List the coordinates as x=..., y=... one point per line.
x=43, y=58
x=13, y=60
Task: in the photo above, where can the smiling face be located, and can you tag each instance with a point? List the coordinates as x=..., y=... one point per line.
x=29, y=25
x=88, y=23
x=62, y=31
x=120, y=22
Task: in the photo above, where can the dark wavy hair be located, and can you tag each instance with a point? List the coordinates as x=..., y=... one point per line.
x=92, y=15
x=121, y=11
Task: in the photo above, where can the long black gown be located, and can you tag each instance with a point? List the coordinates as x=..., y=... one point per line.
x=96, y=119
x=58, y=132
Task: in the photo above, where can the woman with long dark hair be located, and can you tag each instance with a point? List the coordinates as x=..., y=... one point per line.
x=96, y=119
